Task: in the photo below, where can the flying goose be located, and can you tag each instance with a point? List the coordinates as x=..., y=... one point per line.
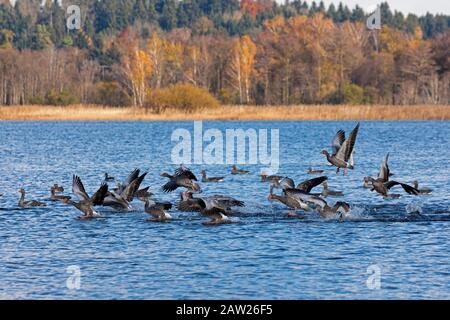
x=157, y=210
x=212, y=179
x=343, y=149
x=236, y=171
x=327, y=192
x=421, y=191
x=30, y=203
x=183, y=178
x=382, y=185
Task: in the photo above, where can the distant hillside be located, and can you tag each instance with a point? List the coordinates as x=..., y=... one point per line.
x=244, y=52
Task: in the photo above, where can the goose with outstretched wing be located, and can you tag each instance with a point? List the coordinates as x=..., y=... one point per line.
x=343, y=149
x=382, y=184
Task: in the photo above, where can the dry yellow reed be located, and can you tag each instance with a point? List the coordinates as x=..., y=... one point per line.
x=300, y=112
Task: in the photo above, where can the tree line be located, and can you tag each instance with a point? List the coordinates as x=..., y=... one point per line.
x=242, y=52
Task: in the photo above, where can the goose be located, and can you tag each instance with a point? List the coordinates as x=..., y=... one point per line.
x=367, y=183
x=188, y=203
x=343, y=149
x=85, y=207
x=108, y=177
x=321, y=205
x=55, y=197
x=290, y=202
x=341, y=208
x=181, y=179
x=382, y=185
x=311, y=171
x=213, y=179
x=327, y=192
x=236, y=171
x=271, y=179
x=157, y=210
x=421, y=191
x=30, y=203
x=97, y=198
x=210, y=208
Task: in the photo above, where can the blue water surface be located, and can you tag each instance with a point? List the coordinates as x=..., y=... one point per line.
x=263, y=254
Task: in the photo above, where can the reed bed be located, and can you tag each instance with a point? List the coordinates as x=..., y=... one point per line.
x=300, y=112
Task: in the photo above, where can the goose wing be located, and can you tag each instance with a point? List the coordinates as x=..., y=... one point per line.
x=338, y=140
x=185, y=172
x=308, y=185
x=346, y=150
x=130, y=191
x=132, y=176
x=170, y=186
x=78, y=189
x=98, y=197
x=408, y=189
x=384, y=170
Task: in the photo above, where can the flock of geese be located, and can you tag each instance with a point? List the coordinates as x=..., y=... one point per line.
x=218, y=208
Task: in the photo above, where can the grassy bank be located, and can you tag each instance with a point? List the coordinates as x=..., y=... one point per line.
x=303, y=112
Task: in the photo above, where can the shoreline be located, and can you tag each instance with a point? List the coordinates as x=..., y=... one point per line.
x=242, y=113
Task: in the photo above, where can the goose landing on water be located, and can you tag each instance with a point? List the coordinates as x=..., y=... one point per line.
x=343, y=149
x=382, y=185
x=30, y=203
x=86, y=204
x=157, y=210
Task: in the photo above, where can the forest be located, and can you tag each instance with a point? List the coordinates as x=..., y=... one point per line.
x=154, y=53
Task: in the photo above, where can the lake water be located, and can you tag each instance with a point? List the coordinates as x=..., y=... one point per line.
x=402, y=243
